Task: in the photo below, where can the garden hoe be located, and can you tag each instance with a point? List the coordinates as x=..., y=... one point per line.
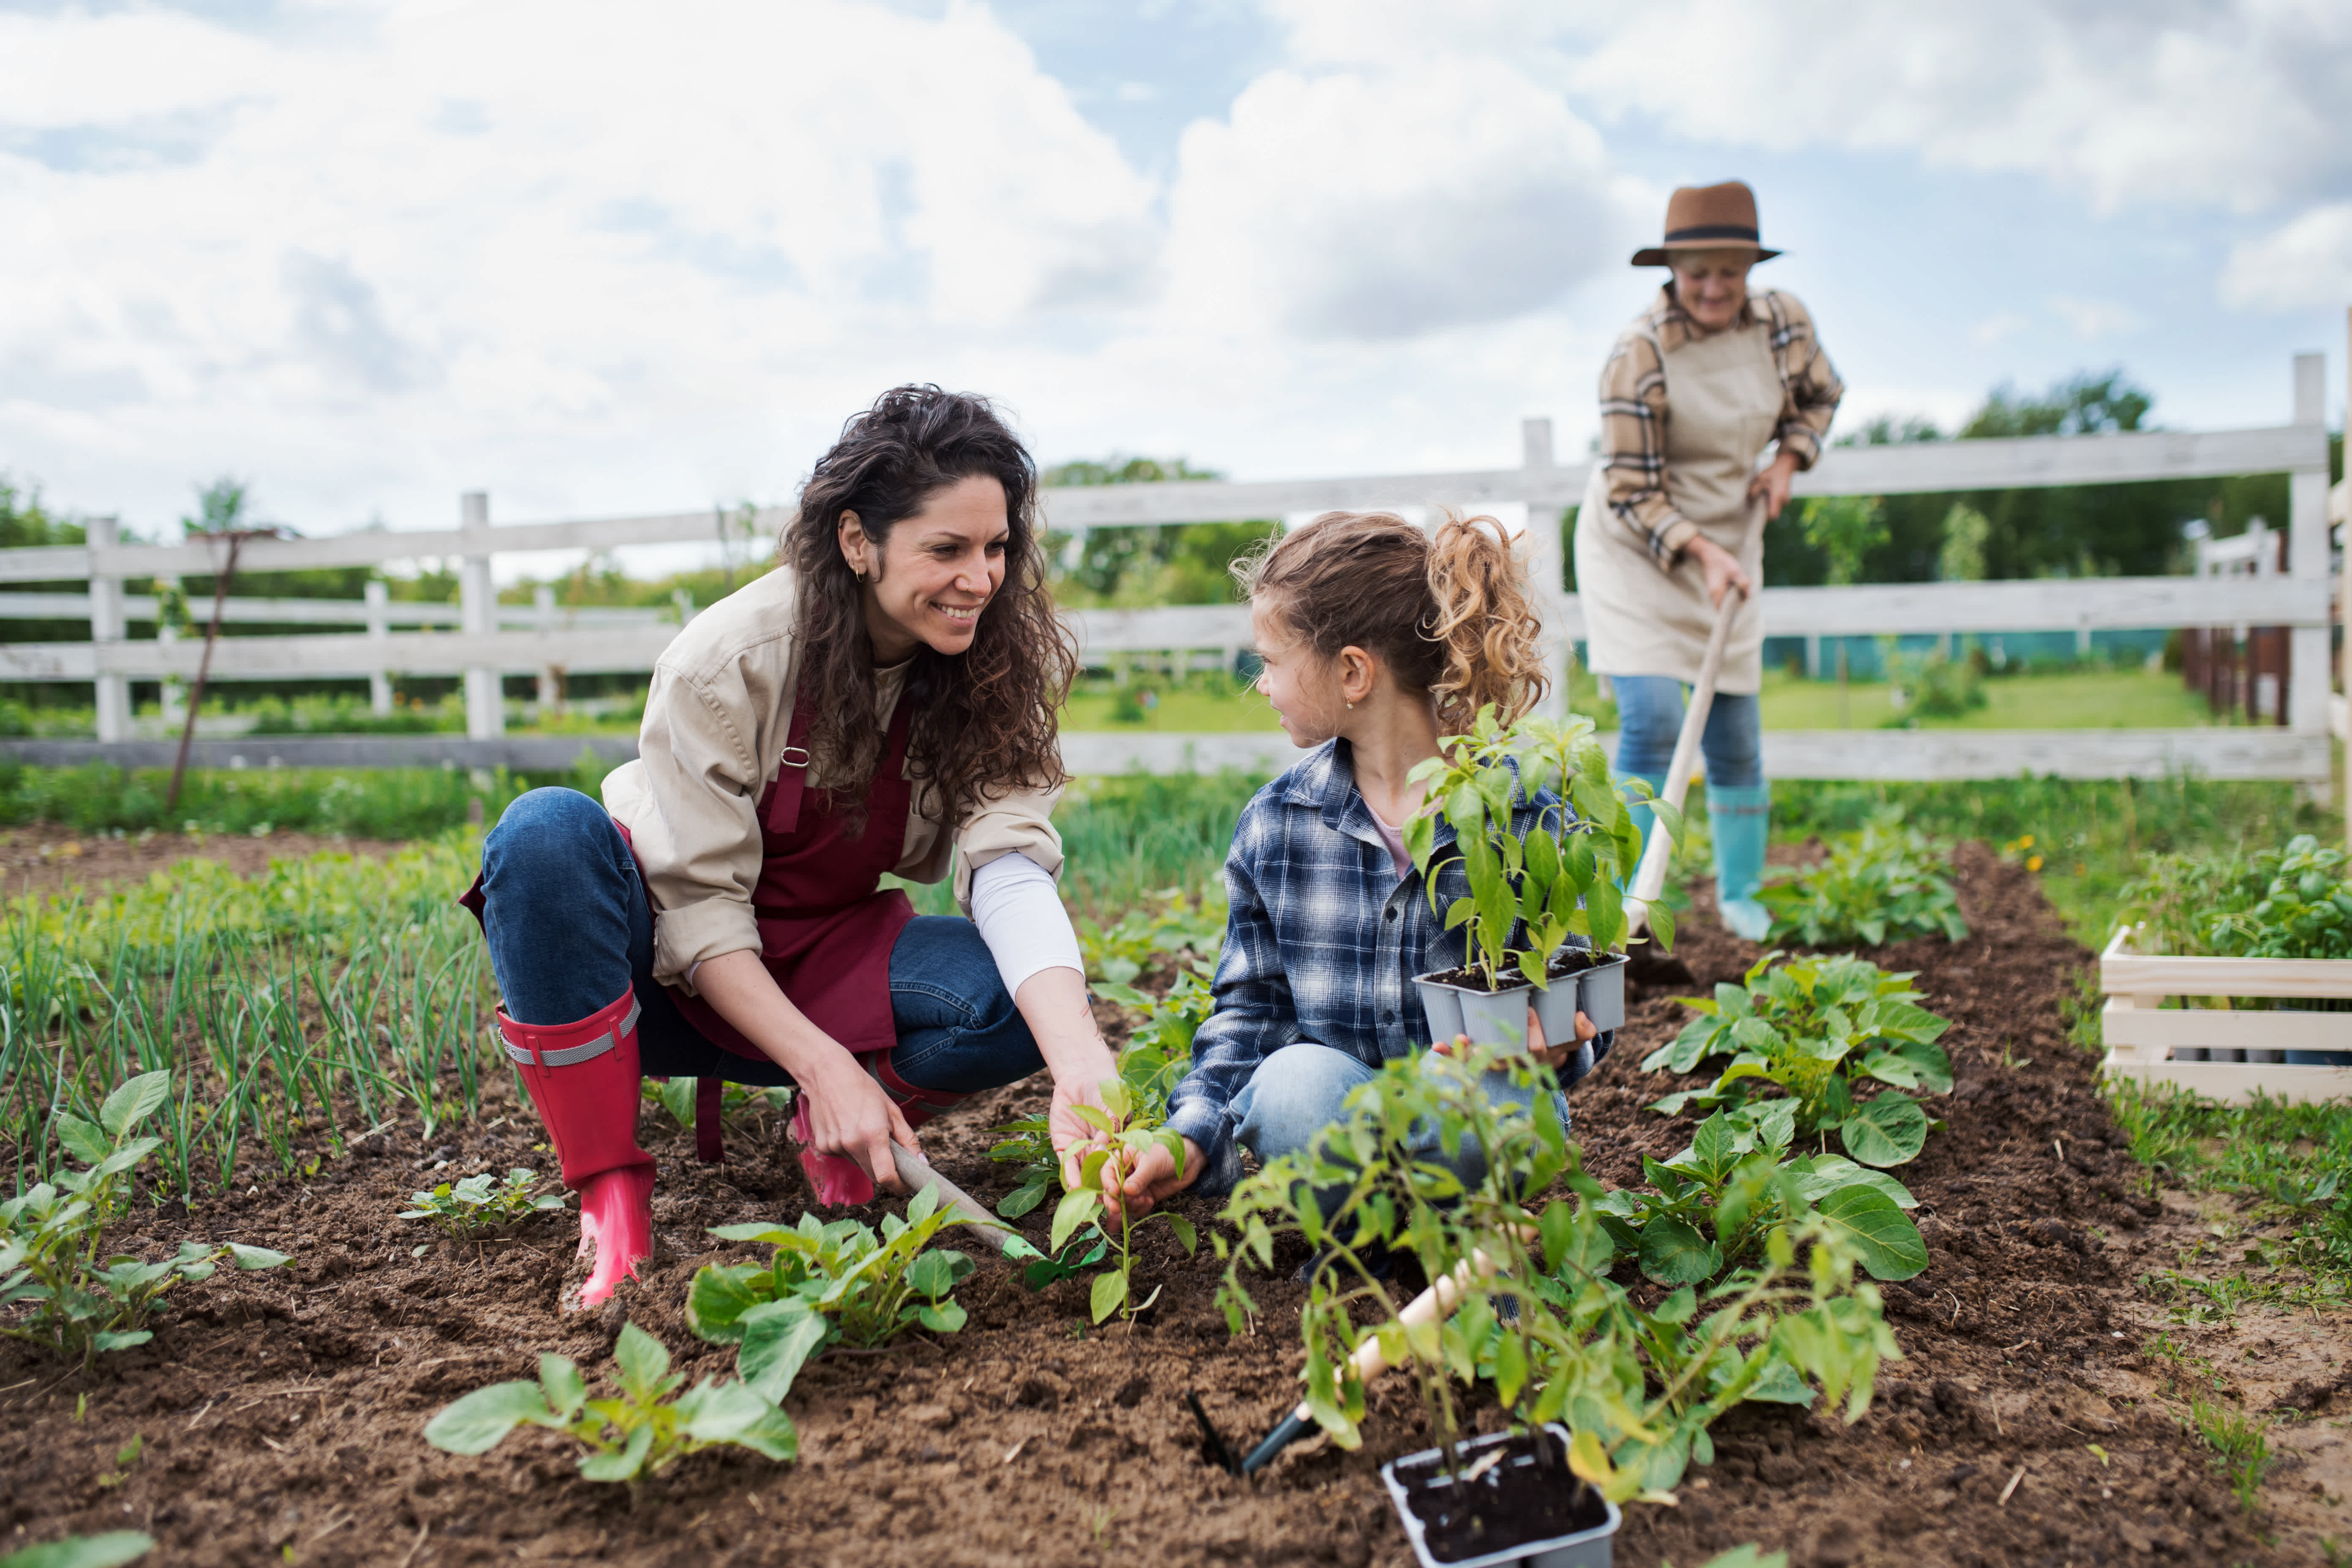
x=1650, y=879
x=917, y=1173
x=1431, y=1306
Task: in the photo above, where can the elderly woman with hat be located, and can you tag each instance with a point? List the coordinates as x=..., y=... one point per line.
x=1701, y=383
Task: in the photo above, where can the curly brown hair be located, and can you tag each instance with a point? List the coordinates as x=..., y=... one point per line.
x=984, y=720
x=1452, y=614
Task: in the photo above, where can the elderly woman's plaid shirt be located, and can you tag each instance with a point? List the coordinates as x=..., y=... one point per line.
x=1322, y=942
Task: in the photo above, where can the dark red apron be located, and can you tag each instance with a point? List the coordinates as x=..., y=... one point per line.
x=826, y=924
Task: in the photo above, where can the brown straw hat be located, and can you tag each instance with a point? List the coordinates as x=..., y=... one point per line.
x=1707, y=217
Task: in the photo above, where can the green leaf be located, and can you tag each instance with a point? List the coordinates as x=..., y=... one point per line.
x=1886, y=1244
x=85, y=1142
x=642, y=1359
x=110, y=1550
x=1779, y=1383
x=1822, y=1174
x=620, y=1463
x=253, y=1257
x=771, y=1436
x=1888, y=1130
x=559, y=1381
x=923, y=1205
x=720, y=1295
x=135, y=1102
x=1186, y=1236
x=778, y=1340
x=724, y=1411
x=105, y=1341
x=1672, y=1253
x=1110, y=1290
x=944, y=1318
x=1075, y=1210
x=1929, y=1063
x=1028, y=1195
x=475, y=1424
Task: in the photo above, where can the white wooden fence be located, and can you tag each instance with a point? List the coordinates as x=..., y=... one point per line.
x=482, y=650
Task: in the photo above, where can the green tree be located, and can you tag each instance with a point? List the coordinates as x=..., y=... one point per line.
x=1179, y=564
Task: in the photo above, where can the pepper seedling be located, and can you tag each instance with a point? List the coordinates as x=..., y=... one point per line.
x=648, y=1427
x=478, y=1205
x=1096, y=1198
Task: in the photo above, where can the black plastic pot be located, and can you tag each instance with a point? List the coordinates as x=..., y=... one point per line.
x=1424, y=1484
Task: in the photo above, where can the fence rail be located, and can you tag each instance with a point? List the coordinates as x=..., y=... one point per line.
x=586, y=642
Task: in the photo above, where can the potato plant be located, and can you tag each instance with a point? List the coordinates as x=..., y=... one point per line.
x=675, y=1097
x=1818, y=1028
x=1881, y=885
x=1713, y=1207
x=826, y=1284
x=1543, y=1319
x=1158, y=1054
x=2295, y=901
x=1531, y=891
x=1095, y=1200
x=642, y=1431
x=81, y=1305
x=481, y=1205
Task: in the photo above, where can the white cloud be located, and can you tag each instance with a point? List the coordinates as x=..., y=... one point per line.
x=1366, y=205
x=2234, y=104
x=2307, y=263
x=1998, y=327
x=2091, y=319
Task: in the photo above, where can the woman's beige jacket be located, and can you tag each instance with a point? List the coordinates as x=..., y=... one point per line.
x=716, y=721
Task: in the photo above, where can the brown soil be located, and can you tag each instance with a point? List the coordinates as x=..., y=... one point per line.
x=283, y=1409
x=43, y=856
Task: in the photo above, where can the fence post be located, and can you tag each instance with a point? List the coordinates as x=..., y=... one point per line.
x=2305, y=705
x=379, y=626
x=551, y=680
x=478, y=609
x=106, y=626
x=1546, y=566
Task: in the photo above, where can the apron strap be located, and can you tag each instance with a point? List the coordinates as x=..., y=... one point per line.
x=707, y=1092
x=792, y=769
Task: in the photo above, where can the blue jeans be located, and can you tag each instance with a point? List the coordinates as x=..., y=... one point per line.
x=1300, y=1089
x=1650, y=715
x=569, y=930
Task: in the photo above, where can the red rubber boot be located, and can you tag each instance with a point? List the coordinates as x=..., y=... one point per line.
x=582, y=1078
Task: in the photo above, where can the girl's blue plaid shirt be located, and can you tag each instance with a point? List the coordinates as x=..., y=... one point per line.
x=1322, y=942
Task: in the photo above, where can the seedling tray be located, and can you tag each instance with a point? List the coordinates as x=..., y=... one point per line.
x=1591, y=1548
x=2148, y=1041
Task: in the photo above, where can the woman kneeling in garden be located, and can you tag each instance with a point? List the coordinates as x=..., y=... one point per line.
x=885, y=696
x=1377, y=640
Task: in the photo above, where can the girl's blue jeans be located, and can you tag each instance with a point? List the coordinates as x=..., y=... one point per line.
x=569, y=930
x=1301, y=1089
x=1650, y=716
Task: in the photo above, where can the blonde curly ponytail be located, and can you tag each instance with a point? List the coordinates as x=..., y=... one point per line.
x=1452, y=614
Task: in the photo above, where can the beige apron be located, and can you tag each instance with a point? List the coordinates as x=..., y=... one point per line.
x=1723, y=402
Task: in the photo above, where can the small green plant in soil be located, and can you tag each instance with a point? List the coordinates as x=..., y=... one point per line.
x=111, y=1550
x=1164, y=925
x=736, y=1100
x=1881, y=885
x=483, y=1205
x=1095, y=1200
x=1531, y=891
x=1156, y=1058
x=1818, y=1028
x=2240, y=1445
x=1542, y=1318
x=646, y=1428
x=1712, y=1208
x=837, y=1283
x=81, y=1305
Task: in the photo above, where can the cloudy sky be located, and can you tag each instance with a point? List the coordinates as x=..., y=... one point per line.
x=601, y=257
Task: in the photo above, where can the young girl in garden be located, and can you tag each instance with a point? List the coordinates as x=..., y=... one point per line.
x=1377, y=639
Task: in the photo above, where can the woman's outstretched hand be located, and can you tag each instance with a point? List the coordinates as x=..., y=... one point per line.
x=852, y=1116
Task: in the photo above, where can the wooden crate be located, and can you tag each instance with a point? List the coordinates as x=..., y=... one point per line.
x=2142, y=1034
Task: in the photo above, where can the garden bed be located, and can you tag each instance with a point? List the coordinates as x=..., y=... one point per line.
x=284, y=1409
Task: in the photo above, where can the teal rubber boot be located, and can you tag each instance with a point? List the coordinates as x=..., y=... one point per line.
x=1645, y=819
x=1740, y=820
